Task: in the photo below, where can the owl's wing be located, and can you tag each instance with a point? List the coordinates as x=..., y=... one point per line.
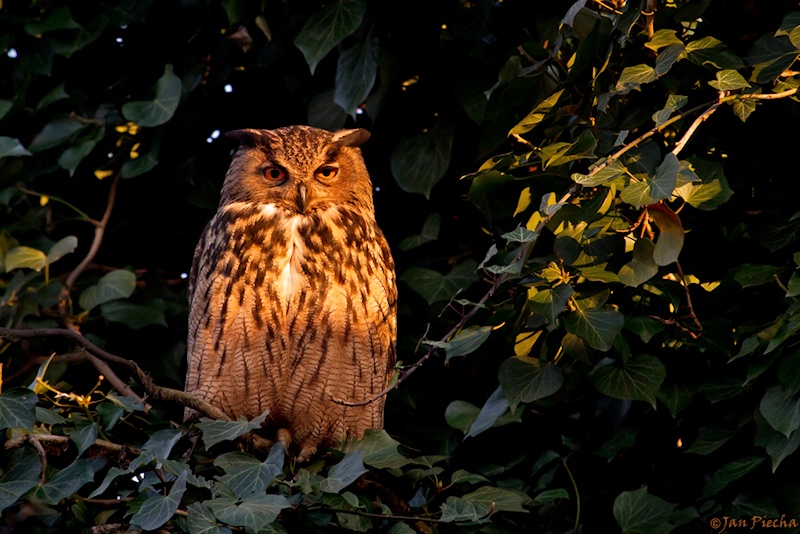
x=198, y=252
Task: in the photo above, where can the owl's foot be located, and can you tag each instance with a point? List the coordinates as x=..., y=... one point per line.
x=306, y=453
x=284, y=436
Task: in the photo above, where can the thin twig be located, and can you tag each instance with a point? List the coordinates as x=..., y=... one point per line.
x=699, y=120
x=381, y=516
x=685, y=285
x=34, y=440
x=153, y=390
x=99, y=230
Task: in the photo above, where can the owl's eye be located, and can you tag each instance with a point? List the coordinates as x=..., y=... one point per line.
x=327, y=172
x=274, y=174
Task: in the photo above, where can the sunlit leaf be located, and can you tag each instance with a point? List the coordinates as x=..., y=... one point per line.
x=729, y=80
x=598, y=326
x=642, y=267
x=537, y=115
x=670, y=237
x=25, y=257
x=551, y=302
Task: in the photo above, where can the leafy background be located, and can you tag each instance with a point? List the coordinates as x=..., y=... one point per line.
x=591, y=208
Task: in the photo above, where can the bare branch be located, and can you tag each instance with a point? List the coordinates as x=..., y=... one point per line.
x=37, y=439
x=697, y=122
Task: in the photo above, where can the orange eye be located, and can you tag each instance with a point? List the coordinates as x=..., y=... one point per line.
x=274, y=174
x=327, y=172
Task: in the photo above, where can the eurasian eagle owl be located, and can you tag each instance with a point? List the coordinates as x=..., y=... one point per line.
x=292, y=291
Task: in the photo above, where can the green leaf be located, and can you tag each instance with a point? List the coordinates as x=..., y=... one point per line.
x=638, y=379
x=66, y=482
x=430, y=232
x=355, y=75
x=21, y=474
x=58, y=19
x=674, y=103
x=436, y=287
x=461, y=414
x=68, y=42
x=327, y=27
x=25, y=258
x=528, y=380
x=606, y=173
x=770, y=56
x=254, y=512
x=465, y=477
x=637, y=194
x=158, y=509
x=378, y=450
x=598, y=326
x=730, y=472
x=144, y=163
x=670, y=237
x=643, y=327
x=161, y=442
x=55, y=133
x=548, y=496
x=467, y=341
x=17, y=409
x=520, y=235
x=744, y=108
x=709, y=439
x=781, y=409
x=639, y=512
x=418, y=163
x=561, y=153
x=551, y=302
x=488, y=500
x=156, y=112
x=72, y=156
x=663, y=38
x=12, y=490
x=458, y=509
x=118, y=284
x=634, y=76
x=666, y=177
x=667, y=57
x=496, y=405
x=84, y=438
x=215, y=430
x=58, y=93
x=344, y=473
x=246, y=475
x=778, y=446
x=536, y=116
x=729, y=80
x=49, y=417
x=5, y=107
x=642, y=267
x=10, y=146
x=61, y=248
x=749, y=275
x=132, y=315
x=201, y=520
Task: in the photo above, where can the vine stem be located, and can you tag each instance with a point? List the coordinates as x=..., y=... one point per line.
x=37, y=439
x=577, y=495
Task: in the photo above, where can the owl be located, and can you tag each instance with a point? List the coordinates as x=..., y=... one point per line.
x=292, y=290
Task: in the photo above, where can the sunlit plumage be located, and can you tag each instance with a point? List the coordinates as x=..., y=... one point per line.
x=292, y=291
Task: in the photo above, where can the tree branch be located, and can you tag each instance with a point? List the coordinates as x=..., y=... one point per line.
x=151, y=388
x=36, y=439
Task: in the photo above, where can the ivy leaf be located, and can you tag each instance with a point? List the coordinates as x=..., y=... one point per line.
x=730, y=472
x=355, y=75
x=634, y=76
x=58, y=93
x=781, y=409
x=667, y=57
x=598, y=326
x=460, y=415
x=674, y=103
x=709, y=439
x=10, y=146
x=639, y=512
x=17, y=409
x=418, y=163
x=55, y=133
x=496, y=405
x=729, y=80
x=12, y=490
x=61, y=248
x=458, y=509
x=520, y=235
x=118, y=284
x=467, y=341
x=72, y=156
x=156, y=112
x=378, y=450
x=201, y=520
x=536, y=116
x=436, y=287
x=671, y=236
x=430, y=232
x=215, y=430
x=642, y=268
x=607, y=173
x=254, y=512
x=327, y=27
x=67, y=42
x=158, y=509
x=84, y=438
x=66, y=482
x=551, y=302
x=461, y=476
x=750, y=275
x=489, y=499
x=161, y=442
x=663, y=38
x=344, y=473
x=246, y=475
x=666, y=178
x=134, y=316
x=561, y=153
x=638, y=379
x=528, y=380
x=25, y=258
x=58, y=19
x=770, y=56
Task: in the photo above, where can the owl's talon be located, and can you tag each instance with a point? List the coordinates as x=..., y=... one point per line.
x=284, y=436
x=306, y=453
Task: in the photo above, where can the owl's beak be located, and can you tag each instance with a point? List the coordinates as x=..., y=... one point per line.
x=302, y=202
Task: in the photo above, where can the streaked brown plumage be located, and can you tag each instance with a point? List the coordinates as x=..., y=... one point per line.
x=292, y=292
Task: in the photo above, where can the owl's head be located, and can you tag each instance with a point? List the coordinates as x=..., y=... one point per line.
x=298, y=168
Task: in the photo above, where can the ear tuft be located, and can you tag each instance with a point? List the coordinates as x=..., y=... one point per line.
x=355, y=137
x=250, y=137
